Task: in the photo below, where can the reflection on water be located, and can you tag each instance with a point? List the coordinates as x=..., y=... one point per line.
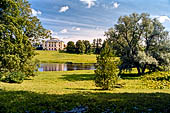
x=65, y=67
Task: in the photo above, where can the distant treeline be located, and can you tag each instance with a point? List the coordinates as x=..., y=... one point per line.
x=84, y=46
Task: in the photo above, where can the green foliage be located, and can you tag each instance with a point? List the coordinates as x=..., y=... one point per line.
x=18, y=30
x=15, y=77
x=70, y=47
x=80, y=47
x=87, y=46
x=107, y=70
x=96, y=46
x=141, y=42
x=1, y=75
x=157, y=80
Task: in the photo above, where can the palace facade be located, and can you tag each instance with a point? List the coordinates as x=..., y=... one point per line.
x=53, y=44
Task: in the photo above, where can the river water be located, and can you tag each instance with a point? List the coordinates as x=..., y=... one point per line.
x=65, y=67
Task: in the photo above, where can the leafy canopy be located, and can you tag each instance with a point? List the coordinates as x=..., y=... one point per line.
x=80, y=47
x=70, y=47
x=140, y=42
x=18, y=30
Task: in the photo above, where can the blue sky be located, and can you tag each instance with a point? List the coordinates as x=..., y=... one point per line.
x=88, y=19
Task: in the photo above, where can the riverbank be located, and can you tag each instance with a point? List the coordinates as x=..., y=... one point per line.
x=56, y=57
x=63, y=91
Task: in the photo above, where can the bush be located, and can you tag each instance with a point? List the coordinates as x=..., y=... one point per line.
x=15, y=77
x=157, y=80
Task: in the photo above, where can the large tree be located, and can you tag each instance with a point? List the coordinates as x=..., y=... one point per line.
x=140, y=42
x=18, y=30
x=87, y=46
x=80, y=47
x=70, y=47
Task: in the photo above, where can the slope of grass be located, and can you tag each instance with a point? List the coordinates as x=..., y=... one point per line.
x=63, y=91
x=56, y=57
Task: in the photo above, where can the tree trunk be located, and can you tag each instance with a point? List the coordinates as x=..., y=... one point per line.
x=139, y=72
x=143, y=69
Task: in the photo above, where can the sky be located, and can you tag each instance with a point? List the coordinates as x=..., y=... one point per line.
x=72, y=20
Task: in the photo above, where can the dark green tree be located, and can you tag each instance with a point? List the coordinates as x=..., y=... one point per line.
x=70, y=47
x=80, y=47
x=106, y=73
x=18, y=28
x=87, y=46
x=96, y=45
x=141, y=42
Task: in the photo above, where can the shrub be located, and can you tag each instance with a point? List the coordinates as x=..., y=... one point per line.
x=15, y=77
x=157, y=80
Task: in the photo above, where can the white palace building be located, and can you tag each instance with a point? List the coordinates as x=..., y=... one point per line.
x=54, y=44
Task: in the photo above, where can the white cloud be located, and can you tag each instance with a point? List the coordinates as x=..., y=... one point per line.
x=64, y=31
x=64, y=9
x=54, y=34
x=90, y=3
x=76, y=28
x=115, y=5
x=36, y=13
x=163, y=19
x=84, y=34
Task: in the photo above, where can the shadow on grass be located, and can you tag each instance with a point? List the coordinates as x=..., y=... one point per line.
x=130, y=76
x=30, y=102
x=78, y=77
x=81, y=89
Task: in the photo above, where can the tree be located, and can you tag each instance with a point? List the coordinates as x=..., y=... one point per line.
x=141, y=42
x=97, y=43
x=94, y=46
x=70, y=47
x=17, y=31
x=87, y=46
x=106, y=73
x=98, y=46
x=80, y=47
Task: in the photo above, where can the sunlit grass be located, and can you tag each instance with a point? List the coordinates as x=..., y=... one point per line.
x=56, y=57
x=62, y=91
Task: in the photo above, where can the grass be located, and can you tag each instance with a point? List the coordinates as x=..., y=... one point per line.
x=56, y=57
x=62, y=91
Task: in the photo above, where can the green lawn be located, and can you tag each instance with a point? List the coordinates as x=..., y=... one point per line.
x=62, y=91
x=56, y=57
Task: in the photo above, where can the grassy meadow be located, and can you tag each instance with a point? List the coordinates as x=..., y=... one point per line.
x=64, y=90
x=56, y=57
